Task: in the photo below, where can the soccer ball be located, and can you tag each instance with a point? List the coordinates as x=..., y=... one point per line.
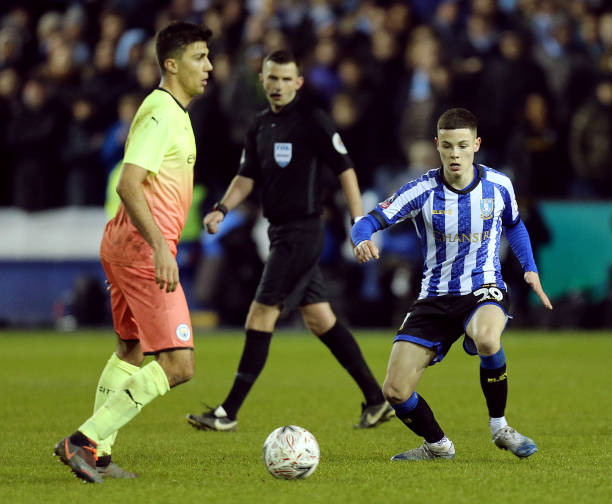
x=291, y=452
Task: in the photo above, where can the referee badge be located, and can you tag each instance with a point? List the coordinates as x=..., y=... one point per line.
x=339, y=144
x=282, y=153
x=486, y=208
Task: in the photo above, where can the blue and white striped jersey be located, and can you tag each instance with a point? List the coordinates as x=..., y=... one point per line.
x=460, y=230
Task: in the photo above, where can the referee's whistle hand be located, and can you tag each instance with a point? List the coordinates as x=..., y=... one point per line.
x=211, y=221
x=366, y=251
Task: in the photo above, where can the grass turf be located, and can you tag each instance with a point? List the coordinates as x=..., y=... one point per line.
x=559, y=396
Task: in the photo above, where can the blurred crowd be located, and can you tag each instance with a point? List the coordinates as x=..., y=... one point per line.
x=537, y=73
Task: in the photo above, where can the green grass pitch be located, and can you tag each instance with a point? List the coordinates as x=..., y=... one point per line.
x=559, y=395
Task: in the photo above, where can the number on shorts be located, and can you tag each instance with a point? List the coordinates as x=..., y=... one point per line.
x=489, y=293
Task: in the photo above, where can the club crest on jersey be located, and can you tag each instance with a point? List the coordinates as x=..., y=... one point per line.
x=486, y=208
x=282, y=153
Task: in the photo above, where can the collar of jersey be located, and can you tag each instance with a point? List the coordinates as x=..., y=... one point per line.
x=287, y=108
x=469, y=188
x=173, y=97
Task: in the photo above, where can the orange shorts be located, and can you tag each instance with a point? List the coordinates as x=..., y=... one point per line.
x=144, y=312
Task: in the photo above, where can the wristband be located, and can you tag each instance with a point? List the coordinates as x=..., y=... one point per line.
x=220, y=207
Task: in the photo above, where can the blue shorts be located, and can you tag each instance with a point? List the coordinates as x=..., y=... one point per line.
x=438, y=322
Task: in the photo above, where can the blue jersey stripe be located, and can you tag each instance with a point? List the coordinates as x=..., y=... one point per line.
x=419, y=223
x=498, y=276
x=464, y=233
x=439, y=225
x=488, y=191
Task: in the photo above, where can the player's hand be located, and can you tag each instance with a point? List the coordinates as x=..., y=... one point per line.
x=533, y=279
x=166, y=269
x=211, y=221
x=366, y=251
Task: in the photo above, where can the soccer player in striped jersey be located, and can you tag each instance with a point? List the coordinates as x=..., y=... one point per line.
x=459, y=211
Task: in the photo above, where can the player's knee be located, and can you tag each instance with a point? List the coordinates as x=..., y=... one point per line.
x=187, y=374
x=317, y=326
x=396, y=393
x=178, y=375
x=130, y=352
x=179, y=366
x=262, y=317
x=487, y=341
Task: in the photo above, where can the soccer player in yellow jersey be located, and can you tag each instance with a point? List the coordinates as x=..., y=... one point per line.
x=138, y=253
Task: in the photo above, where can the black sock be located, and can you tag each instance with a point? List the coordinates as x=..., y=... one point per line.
x=345, y=349
x=420, y=420
x=80, y=439
x=103, y=461
x=494, y=383
x=254, y=356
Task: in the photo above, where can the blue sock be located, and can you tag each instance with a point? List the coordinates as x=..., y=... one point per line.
x=403, y=410
x=418, y=417
x=494, y=361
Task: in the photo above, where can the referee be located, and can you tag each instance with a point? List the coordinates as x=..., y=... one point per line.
x=286, y=148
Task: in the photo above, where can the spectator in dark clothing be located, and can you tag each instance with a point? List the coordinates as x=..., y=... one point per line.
x=387, y=69
x=80, y=156
x=212, y=133
x=102, y=80
x=353, y=129
x=114, y=139
x=445, y=22
x=505, y=81
x=11, y=44
x=61, y=74
x=9, y=91
x=566, y=67
x=19, y=19
x=423, y=89
x=146, y=76
x=536, y=152
x=34, y=137
x=591, y=144
x=471, y=54
x=240, y=94
x=323, y=75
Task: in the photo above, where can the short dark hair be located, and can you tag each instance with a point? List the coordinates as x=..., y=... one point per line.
x=458, y=118
x=282, y=57
x=174, y=38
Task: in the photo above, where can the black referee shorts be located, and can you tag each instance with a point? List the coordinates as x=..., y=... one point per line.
x=291, y=276
x=437, y=322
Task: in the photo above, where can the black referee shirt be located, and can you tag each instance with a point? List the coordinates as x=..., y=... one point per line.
x=284, y=153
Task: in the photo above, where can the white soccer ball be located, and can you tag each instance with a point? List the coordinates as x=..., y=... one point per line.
x=291, y=452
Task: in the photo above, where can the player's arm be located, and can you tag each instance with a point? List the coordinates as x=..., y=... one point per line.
x=361, y=235
x=519, y=241
x=133, y=198
x=240, y=186
x=236, y=193
x=403, y=204
x=350, y=188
